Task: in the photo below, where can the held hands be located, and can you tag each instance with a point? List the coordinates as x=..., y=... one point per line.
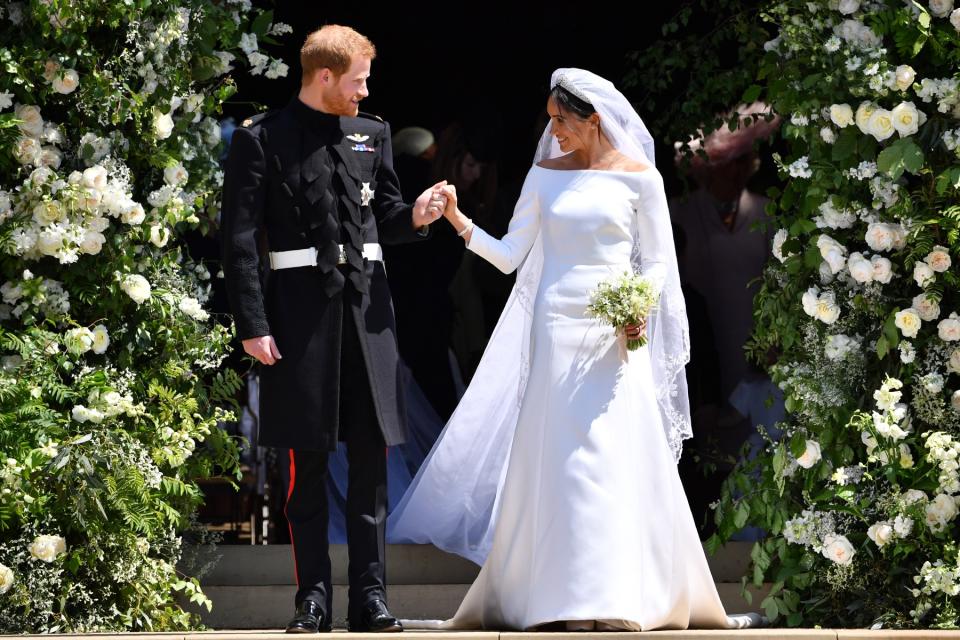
x=429, y=206
x=263, y=348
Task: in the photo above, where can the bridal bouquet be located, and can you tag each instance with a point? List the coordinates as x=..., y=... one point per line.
x=623, y=300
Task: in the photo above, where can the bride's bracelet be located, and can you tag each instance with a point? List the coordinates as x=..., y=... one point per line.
x=466, y=229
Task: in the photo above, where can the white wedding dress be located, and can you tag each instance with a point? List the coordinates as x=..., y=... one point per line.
x=589, y=521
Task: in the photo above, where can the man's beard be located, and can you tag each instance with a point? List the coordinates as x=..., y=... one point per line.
x=341, y=105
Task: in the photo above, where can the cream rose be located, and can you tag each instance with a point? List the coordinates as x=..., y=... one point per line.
x=880, y=236
x=101, y=339
x=842, y=115
x=827, y=310
x=137, y=287
x=938, y=259
x=882, y=269
x=838, y=549
x=48, y=548
x=955, y=19
x=66, y=82
x=31, y=121
x=846, y=7
x=162, y=125
x=175, y=175
x=953, y=364
x=923, y=274
x=863, y=115
x=941, y=8
x=881, y=125
x=28, y=151
x=905, y=76
x=880, y=533
x=47, y=212
x=92, y=242
x=811, y=455
x=861, y=269
x=927, y=307
x=159, y=235
x=906, y=119
x=949, y=328
x=134, y=214
x=909, y=323
x=955, y=401
x=6, y=579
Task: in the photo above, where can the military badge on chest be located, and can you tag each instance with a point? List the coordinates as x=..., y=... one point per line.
x=360, y=141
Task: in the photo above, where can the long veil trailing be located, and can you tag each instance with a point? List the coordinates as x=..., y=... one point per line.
x=452, y=503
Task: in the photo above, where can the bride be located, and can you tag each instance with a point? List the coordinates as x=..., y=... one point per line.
x=557, y=472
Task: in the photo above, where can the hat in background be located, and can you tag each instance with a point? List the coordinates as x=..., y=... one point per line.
x=412, y=141
x=725, y=145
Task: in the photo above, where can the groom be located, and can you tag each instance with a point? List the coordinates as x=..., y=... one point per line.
x=314, y=183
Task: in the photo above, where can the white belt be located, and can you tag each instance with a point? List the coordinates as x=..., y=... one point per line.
x=308, y=257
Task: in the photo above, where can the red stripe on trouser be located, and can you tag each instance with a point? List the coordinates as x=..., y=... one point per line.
x=293, y=546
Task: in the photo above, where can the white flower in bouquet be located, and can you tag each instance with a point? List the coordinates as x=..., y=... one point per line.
x=66, y=82
x=906, y=119
x=938, y=259
x=31, y=122
x=47, y=212
x=905, y=75
x=276, y=69
x=78, y=340
x=258, y=63
x=159, y=235
x=912, y=496
x=825, y=273
x=940, y=511
x=955, y=19
x=101, y=339
x=902, y=526
x=624, y=300
x=833, y=252
x=882, y=269
x=248, y=43
x=927, y=307
x=881, y=533
x=923, y=274
x=861, y=269
x=6, y=579
x=838, y=549
x=881, y=125
x=137, y=287
x=48, y=548
x=191, y=307
x=811, y=455
x=162, y=125
x=881, y=236
x=949, y=328
x=50, y=157
x=941, y=8
x=94, y=177
x=887, y=426
x=828, y=311
x=842, y=115
x=908, y=321
x=92, y=242
x=857, y=34
x=134, y=214
x=862, y=117
x=175, y=175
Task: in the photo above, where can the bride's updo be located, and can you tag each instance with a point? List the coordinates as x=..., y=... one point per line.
x=570, y=103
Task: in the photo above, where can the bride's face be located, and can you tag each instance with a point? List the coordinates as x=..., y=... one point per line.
x=571, y=131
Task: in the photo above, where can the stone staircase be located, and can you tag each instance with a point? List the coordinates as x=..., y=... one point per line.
x=252, y=587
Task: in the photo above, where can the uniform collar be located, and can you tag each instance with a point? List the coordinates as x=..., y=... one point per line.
x=310, y=117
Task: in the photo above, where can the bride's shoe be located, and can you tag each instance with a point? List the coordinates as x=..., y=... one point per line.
x=580, y=625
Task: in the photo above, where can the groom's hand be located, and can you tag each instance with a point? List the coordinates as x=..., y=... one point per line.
x=263, y=348
x=635, y=331
x=429, y=206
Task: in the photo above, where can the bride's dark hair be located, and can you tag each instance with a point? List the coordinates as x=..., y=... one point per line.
x=571, y=103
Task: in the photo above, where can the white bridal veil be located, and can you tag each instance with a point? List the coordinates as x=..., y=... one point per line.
x=453, y=501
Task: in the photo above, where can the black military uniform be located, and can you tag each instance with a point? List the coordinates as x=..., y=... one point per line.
x=311, y=180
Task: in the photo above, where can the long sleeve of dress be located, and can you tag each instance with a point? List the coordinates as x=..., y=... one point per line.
x=655, y=235
x=508, y=253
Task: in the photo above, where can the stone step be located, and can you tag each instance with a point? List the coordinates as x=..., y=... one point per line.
x=407, y=564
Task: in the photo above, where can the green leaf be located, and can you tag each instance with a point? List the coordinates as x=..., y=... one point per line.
x=751, y=94
x=883, y=347
x=770, y=609
x=902, y=155
x=261, y=23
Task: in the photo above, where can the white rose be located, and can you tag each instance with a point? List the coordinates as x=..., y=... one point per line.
x=847, y=7
x=938, y=259
x=809, y=301
x=92, y=242
x=175, y=175
x=880, y=236
x=923, y=274
x=842, y=115
x=880, y=533
x=906, y=119
x=94, y=178
x=949, y=328
x=133, y=214
x=48, y=212
x=28, y=151
x=882, y=269
x=101, y=339
x=911, y=496
x=31, y=121
x=778, y=240
x=67, y=82
x=159, y=235
x=953, y=365
x=811, y=455
x=941, y=510
x=862, y=117
x=6, y=579
x=861, y=269
x=78, y=340
x=833, y=252
x=47, y=548
x=881, y=125
x=827, y=309
x=905, y=76
x=955, y=401
x=838, y=549
x=908, y=321
x=926, y=307
x=137, y=287
x=192, y=308
x=941, y=8
x=902, y=526
x=162, y=125
x=955, y=19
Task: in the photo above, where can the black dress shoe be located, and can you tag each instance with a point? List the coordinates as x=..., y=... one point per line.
x=310, y=618
x=374, y=618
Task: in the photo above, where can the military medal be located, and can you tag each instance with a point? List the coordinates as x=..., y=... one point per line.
x=366, y=194
x=363, y=147
x=356, y=137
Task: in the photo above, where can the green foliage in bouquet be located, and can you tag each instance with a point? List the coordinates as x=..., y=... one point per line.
x=859, y=309
x=110, y=385
x=625, y=299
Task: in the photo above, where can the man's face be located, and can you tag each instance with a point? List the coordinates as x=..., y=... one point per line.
x=342, y=94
